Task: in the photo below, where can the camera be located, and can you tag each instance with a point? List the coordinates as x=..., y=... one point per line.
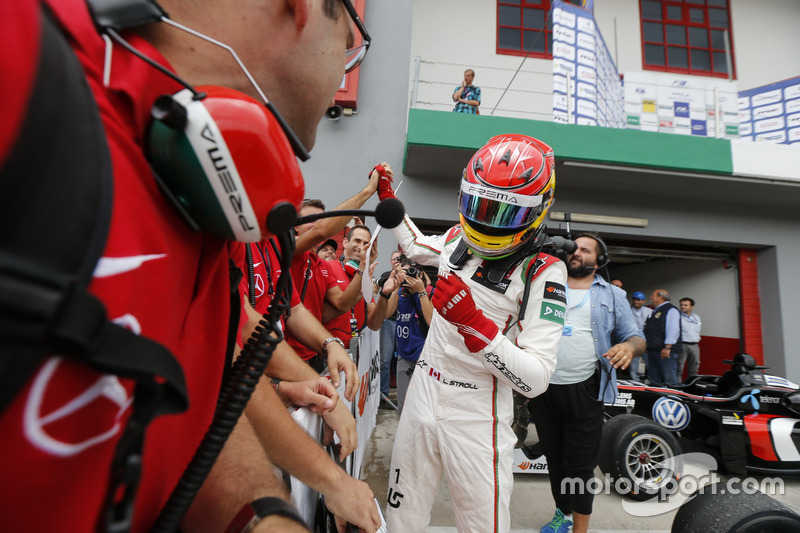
x=414, y=272
x=382, y=279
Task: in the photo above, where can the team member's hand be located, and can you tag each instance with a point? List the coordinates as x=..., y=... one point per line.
x=453, y=300
x=317, y=394
x=620, y=355
x=342, y=422
x=352, y=502
x=339, y=361
x=385, y=184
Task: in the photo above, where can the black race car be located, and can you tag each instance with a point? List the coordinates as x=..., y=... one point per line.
x=747, y=420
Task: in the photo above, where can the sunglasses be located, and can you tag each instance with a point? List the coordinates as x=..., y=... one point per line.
x=354, y=56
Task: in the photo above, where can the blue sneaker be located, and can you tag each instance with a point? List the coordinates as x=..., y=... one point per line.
x=559, y=524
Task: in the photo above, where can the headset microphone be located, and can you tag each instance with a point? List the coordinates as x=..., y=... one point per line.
x=389, y=214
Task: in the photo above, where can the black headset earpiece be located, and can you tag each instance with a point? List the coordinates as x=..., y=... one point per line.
x=602, y=258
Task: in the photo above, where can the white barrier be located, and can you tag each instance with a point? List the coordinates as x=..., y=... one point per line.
x=366, y=354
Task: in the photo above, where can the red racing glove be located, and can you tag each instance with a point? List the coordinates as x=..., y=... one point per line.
x=385, y=184
x=453, y=300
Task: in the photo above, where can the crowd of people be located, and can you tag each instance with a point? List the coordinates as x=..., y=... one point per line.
x=225, y=293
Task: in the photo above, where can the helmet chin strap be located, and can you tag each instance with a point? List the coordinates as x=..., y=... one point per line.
x=500, y=266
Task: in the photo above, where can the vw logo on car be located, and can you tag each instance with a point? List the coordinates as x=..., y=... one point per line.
x=671, y=414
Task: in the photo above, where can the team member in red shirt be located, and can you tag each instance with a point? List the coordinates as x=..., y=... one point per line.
x=346, y=312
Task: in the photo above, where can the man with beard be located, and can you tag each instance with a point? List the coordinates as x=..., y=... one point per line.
x=569, y=415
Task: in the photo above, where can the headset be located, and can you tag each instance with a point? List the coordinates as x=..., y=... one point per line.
x=225, y=161
x=602, y=258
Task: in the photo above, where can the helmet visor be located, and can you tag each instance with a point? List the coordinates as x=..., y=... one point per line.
x=495, y=209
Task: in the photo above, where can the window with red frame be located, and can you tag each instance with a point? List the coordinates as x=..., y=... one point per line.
x=686, y=36
x=525, y=28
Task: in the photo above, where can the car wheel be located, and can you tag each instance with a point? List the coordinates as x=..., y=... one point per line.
x=718, y=509
x=641, y=457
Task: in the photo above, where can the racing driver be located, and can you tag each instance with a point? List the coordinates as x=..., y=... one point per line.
x=499, y=303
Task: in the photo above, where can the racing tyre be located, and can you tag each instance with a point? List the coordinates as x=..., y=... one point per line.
x=717, y=509
x=641, y=457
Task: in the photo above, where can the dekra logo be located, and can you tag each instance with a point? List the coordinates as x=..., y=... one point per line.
x=555, y=311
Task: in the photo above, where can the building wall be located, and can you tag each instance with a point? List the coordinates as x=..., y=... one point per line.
x=451, y=35
x=458, y=33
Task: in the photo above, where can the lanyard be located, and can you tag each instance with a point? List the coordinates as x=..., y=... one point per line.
x=585, y=299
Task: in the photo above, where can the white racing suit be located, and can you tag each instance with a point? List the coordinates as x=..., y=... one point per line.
x=459, y=408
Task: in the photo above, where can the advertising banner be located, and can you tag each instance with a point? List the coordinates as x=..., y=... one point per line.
x=771, y=113
x=364, y=410
x=684, y=105
x=581, y=56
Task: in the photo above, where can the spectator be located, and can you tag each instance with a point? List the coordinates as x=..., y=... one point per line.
x=662, y=330
x=616, y=282
x=167, y=281
x=388, y=336
x=690, y=329
x=485, y=340
x=467, y=96
x=640, y=314
x=639, y=310
x=410, y=299
x=569, y=414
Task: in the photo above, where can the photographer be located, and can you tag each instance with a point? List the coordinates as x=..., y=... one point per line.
x=405, y=291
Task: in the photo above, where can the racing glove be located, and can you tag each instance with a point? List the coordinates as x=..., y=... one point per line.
x=453, y=300
x=385, y=184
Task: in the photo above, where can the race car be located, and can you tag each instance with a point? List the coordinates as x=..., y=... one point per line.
x=745, y=419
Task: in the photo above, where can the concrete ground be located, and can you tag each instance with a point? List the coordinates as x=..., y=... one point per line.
x=531, y=504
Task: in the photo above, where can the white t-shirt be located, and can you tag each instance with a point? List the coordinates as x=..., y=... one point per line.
x=577, y=360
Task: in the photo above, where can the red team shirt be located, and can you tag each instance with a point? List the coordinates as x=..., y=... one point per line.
x=308, y=264
x=342, y=326
x=266, y=271
x=157, y=278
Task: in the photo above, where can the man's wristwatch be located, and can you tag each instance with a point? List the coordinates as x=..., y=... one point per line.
x=329, y=340
x=252, y=513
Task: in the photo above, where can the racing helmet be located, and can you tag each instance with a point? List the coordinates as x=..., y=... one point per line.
x=506, y=191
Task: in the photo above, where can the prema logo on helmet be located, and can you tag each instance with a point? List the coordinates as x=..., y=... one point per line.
x=502, y=196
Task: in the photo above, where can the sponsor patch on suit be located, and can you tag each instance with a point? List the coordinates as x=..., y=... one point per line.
x=555, y=291
x=553, y=312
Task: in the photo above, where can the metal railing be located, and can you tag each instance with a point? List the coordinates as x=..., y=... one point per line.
x=531, y=94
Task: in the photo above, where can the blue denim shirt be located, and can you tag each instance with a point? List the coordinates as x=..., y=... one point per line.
x=611, y=313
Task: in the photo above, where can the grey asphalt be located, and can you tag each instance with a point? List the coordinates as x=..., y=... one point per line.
x=531, y=503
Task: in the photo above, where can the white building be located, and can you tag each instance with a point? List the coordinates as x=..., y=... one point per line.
x=717, y=218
